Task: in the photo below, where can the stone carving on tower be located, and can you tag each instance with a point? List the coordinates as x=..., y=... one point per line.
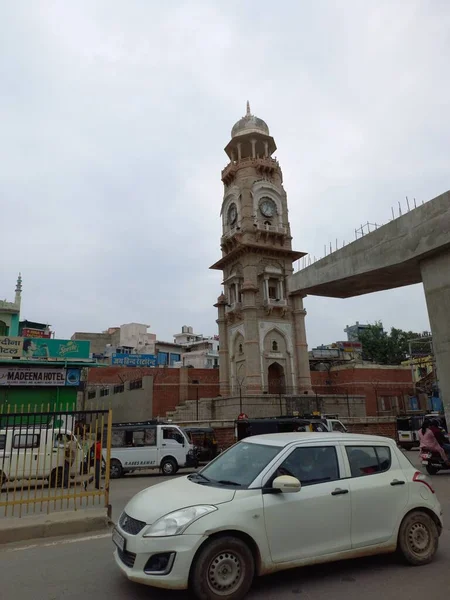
x=261, y=328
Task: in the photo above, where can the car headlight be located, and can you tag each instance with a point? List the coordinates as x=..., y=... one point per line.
x=175, y=523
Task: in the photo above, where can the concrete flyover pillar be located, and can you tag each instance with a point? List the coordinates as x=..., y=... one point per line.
x=436, y=282
x=301, y=347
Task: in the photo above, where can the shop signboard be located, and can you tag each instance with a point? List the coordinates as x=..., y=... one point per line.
x=27, y=332
x=11, y=347
x=42, y=348
x=134, y=360
x=40, y=376
x=325, y=353
x=350, y=346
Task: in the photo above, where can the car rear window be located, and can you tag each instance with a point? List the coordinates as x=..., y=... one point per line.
x=368, y=460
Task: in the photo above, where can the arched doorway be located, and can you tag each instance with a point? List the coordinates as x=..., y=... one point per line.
x=3, y=328
x=276, y=379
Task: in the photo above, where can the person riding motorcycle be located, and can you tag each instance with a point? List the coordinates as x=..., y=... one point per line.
x=441, y=437
x=428, y=440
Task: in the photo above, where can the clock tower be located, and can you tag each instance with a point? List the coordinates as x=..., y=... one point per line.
x=261, y=328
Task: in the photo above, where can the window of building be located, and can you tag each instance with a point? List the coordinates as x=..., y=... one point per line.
x=2, y=442
x=136, y=385
x=163, y=358
x=368, y=460
x=26, y=440
x=104, y=392
x=311, y=465
x=240, y=349
x=4, y=329
x=91, y=394
x=209, y=362
x=274, y=346
x=118, y=389
x=174, y=358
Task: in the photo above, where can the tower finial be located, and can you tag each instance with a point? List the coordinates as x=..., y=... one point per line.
x=18, y=290
x=248, y=109
x=19, y=283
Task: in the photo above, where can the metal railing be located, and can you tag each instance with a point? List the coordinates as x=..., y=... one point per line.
x=53, y=461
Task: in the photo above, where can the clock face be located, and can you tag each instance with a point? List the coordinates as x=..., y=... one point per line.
x=232, y=214
x=268, y=207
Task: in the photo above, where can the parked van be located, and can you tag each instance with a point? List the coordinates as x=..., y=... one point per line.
x=149, y=445
x=39, y=453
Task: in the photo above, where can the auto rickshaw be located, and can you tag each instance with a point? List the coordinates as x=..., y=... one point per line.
x=205, y=442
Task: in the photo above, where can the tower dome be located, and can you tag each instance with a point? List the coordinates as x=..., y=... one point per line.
x=249, y=124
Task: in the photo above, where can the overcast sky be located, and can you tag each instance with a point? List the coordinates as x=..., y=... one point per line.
x=114, y=119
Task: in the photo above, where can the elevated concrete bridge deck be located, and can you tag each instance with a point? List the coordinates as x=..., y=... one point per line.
x=387, y=258
x=411, y=249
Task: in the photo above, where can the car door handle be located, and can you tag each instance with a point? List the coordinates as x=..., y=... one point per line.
x=397, y=482
x=339, y=492
x=163, y=444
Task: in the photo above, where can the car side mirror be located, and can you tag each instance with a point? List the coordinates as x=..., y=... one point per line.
x=286, y=484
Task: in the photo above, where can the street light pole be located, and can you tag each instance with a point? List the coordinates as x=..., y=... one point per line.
x=240, y=398
x=196, y=404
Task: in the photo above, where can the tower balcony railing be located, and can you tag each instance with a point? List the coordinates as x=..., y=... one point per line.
x=271, y=228
x=228, y=234
x=235, y=165
x=233, y=307
x=275, y=303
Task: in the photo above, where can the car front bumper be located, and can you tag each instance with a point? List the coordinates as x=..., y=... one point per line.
x=139, y=550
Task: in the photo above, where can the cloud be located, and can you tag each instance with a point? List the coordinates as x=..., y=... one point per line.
x=115, y=119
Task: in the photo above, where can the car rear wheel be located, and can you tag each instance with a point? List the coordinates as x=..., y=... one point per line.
x=115, y=469
x=223, y=570
x=418, y=538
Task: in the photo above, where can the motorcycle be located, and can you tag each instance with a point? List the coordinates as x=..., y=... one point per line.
x=433, y=461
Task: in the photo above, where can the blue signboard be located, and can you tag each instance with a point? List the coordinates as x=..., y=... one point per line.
x=73, y=377
x=134, y=360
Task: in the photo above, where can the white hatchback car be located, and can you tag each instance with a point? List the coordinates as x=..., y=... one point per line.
x=274, y=502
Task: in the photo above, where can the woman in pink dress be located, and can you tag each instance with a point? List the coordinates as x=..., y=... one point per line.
x=429, y=441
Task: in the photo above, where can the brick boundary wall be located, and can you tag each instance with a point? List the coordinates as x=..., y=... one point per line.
x=385, y=429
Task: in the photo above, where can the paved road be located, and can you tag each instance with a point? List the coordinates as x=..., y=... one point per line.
x=78, y=568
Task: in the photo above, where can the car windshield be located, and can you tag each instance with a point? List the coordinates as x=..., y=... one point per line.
x=240, y=465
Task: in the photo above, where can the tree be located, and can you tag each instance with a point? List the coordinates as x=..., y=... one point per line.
x=385, y=348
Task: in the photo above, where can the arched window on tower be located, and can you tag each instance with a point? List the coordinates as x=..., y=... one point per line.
x=274, y=346
x=240, y=349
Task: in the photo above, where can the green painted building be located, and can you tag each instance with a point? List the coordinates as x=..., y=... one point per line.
x=40, y=386
x=10, y=313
